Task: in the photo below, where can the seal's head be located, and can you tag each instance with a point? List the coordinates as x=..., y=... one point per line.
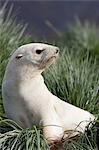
x=38, y=55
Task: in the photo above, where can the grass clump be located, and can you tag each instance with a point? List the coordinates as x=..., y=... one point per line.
x=13, y=137
x=17, y=138
x=82, y=36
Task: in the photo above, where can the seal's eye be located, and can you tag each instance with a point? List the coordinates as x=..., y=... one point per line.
x=38, y=51
x=19, y=56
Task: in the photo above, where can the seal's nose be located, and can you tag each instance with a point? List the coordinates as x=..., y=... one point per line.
x=57, y=50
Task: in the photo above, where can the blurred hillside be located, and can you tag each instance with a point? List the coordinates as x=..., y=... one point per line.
x=47, y=18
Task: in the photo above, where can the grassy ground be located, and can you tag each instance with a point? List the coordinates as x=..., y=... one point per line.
x=75, y=80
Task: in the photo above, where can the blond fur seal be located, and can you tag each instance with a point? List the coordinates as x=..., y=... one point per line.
x=27, y=100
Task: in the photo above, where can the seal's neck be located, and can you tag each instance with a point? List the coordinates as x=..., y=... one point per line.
x=22, y=72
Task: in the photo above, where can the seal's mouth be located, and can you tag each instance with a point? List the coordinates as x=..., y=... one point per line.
x=48, y=62
x=51, y=58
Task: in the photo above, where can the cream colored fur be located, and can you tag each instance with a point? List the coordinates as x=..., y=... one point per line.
x=27, y=100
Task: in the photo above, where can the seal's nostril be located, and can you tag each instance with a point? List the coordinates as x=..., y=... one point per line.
x=57, y=51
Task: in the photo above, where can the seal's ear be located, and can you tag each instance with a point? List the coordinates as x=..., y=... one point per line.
x=19, y=56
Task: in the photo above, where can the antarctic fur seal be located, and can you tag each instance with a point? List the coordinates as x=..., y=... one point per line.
x=28, y=101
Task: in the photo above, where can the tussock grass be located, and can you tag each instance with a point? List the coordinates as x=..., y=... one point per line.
x=13, y=137
x=74, y=78
x=17, y=138
x=82, y=36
